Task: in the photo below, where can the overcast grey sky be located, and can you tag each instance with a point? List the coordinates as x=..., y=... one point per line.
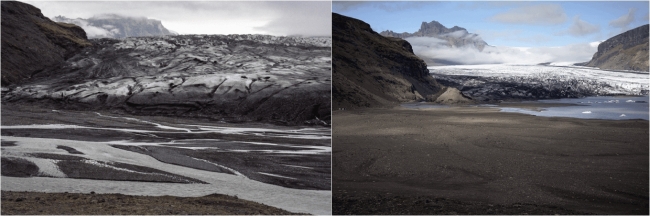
x=308, y=18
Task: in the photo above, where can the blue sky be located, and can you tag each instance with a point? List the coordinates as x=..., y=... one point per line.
x=510, y=24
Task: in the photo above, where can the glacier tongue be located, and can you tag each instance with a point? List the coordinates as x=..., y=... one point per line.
x=502, y=82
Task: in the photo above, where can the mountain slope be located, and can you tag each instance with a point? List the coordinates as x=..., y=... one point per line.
x=31, y=42
x=626, y=51
x=116, y=26
x=370, y=70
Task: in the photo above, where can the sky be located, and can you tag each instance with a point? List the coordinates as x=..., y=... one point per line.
x=560, y=31
x=306, y=18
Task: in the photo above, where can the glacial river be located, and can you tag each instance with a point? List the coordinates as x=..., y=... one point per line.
x=600, y=107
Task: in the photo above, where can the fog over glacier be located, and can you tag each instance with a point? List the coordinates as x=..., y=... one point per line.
x=434, y=48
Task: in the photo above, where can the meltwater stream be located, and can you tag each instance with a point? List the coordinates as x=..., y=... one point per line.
x=599, y=107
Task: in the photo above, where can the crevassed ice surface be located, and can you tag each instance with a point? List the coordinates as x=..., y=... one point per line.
x=539, y=81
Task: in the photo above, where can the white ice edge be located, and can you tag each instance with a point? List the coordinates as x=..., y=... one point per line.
x=620, y=82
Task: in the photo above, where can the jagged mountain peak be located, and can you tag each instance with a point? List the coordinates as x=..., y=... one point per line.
x=435, y=34
x=457, y=28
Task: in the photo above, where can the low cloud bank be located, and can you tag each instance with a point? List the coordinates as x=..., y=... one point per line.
x=434, y=48
x=105, y=31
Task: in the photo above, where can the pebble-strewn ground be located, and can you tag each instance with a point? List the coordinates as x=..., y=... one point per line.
x=34, y=203
x=478, y=160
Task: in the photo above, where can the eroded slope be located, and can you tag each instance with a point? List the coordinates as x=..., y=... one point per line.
x=373, y=70
x=31, y=42
x=626, y=51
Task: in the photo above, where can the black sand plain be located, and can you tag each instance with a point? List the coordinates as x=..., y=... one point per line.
x=477, y=160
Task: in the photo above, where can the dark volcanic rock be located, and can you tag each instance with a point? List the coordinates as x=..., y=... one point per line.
x=235, y=78
x=626, y=51
x=31, y=42
x=372, y=70
x=116, y=26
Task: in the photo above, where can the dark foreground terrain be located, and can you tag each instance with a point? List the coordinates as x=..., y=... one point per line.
x=33, y=203
x=464, y=160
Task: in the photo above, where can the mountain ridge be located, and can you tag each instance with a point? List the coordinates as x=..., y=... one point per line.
x=32, y=42
x=370, y=70
x=455, y=36
x=625, y=51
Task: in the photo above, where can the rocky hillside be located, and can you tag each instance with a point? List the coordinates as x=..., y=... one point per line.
x=370, y=70
x=32, y=43
x=116, y=26
x=234, y=78
x=626, y=51
x=454, y=37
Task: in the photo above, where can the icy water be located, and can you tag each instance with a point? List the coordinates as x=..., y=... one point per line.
x=600, y=107
x=422, y=105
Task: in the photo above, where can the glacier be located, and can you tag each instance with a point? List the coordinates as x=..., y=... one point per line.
x=497, y=82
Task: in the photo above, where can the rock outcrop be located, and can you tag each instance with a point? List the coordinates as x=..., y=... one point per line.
x=454, y=37
x=626, y=51
x=32, y=43
x=370, y=70
x=235, y=78
x=116, y=26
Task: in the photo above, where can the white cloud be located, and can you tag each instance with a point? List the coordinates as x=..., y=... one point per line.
x=307, y=20
x=543, y=14
x=92, y=31
x=457, y=34
x=385, y=6
x=209, y=17
x=425, y=41
x=348, y=5
x=503, y=55
x=581, y=28
x=625, y=20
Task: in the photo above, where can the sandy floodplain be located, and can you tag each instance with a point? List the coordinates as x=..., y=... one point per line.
x=477, y=160
x=63, y=151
